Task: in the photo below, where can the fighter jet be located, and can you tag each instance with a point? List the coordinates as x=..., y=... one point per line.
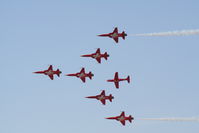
x=50, y=72
x=97, y=55
x=102, y=97
x=122, y=118
x=115, y=35
x=116, y=80
x=82, y=75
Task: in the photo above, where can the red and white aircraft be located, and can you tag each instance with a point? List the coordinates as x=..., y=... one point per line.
x=82, y=75
x=116, y=80
x=97, y=55
x=115, y=35
x=122, y=118
x=50, y=72
x=102, y=97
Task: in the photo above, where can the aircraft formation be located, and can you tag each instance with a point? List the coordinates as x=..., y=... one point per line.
x=102, y=97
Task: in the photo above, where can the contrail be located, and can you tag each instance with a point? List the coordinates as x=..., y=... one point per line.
x=171, y=33
x=172, y=119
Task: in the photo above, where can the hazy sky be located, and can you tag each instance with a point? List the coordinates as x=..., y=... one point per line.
x=164, y=70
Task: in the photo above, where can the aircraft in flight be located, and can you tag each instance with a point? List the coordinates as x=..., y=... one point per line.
x=116, y=80
x=97, y=55
x=50, y=72
x=122, y=118
x=115, y=35
x=102, y=97
x=82, y=75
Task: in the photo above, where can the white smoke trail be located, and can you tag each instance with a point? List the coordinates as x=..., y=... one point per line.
x=173, y=119
x=171, y=33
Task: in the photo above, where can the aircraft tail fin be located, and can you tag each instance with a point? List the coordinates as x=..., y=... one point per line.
x=58, y=72
x=106, y=55
x=124, y=35
x=90, y=75
x=130, y=118
x=128, y=79
x=110, y=98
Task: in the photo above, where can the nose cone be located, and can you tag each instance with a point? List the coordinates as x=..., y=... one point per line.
x=38, y=72
x=69, y=74
x=89, y=97
x=110, y=118
x=103, y=35
x=85, y=55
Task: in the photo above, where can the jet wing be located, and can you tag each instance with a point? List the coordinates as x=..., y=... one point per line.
x=123, y=122
x=98, y=60
x=116, y=84
x=83, y=79
x=50, y=67
x=51, y=77
x=103, y=101
x=122, y=114
x=115, y=30
x=116, y=76
x=98, y=51
x=82, y=71
x=103, y=93
x=116, y=39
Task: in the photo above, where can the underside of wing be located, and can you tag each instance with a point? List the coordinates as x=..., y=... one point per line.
x=103, y=101
x=115, y=30
x=98, y=51
x=123, y=122
x=116, y=84
x=50, y=67
x=83, y=79
x=98, y=60
x=82, y=70
x=116, y=39
x=116, y=76
x=51, y=77
x=122, y=114
x=103, y=93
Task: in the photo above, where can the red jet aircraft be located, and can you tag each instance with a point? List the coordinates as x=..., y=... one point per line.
x=50, y=72
x=82, y=75
x=115, y=35
x=116, y=80
x=97, y=55
x=122, y=118
x=102, y=97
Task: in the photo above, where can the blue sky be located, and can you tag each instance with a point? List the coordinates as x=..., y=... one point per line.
x=164, y=70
